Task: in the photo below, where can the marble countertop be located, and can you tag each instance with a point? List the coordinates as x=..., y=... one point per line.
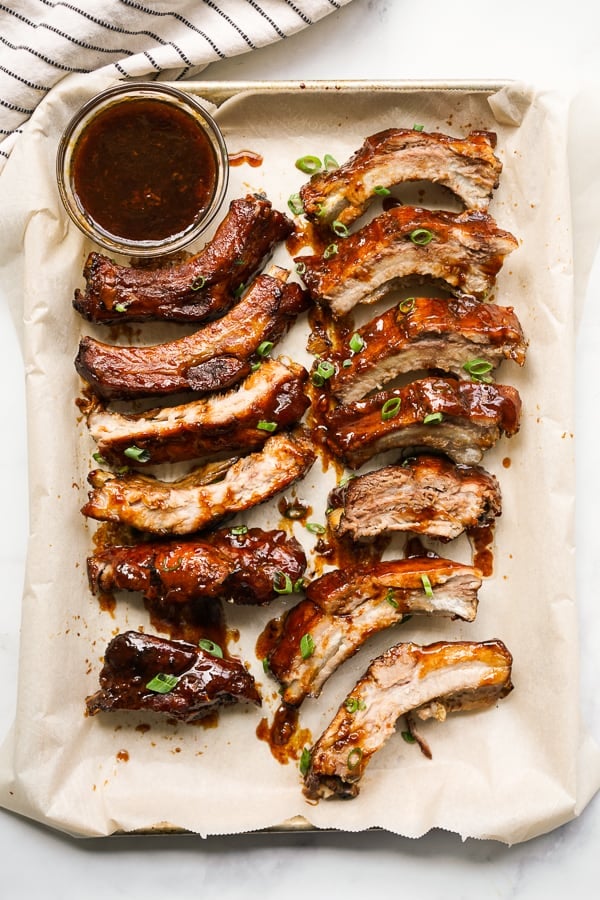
x=550, y=44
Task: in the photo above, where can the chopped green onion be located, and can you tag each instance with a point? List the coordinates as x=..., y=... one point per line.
x=121, y=307
x=479, y=370
x=282, y=583
x=347, y=363
x=390, y=408
x=295, y=204
x=210, y=647
x=339, y=228
x=298, y=585
x=389, y=598
x=427, y=585
x=99, y=459
x=174, y=568
x=330, y=162
x=198, y=283
x=137, y=453
x=315, y=528
x=305, y=761
x=307, y=646
x=381, y=191
x=239, y=291
x=417, y=127
x=300, y=268
x=354, y=758
x=331, y=250
x=324, y=370
x=309, y=164
x=265, y=665
x=265, y=348
x=408, y=737
x=266, y=426
x=255, y=366
x=162, y=683
x=433, y=418
x=353, y=704
x=407, y=305
x=238, y=530
x=344, y=481
x=421, y=236
x=356, y=342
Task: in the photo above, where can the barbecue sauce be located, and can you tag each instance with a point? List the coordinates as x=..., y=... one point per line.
x=144, y=170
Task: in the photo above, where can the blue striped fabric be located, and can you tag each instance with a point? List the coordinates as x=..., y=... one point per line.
x=41, y=41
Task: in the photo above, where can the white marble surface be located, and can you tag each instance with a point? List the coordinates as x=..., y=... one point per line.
x=548, y=43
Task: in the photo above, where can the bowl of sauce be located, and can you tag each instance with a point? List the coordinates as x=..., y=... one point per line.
x=142, y=169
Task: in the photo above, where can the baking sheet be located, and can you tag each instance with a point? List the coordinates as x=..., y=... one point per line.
x=509, y=772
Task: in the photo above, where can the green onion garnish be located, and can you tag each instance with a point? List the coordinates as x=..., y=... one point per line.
x=295, y=204
x=427, y=585
x=298, y=585
x=239, y=291
x=121, y=307
x=265, y=665
x=331, y=250
x=390, y=408
x=347, y=363
x=479, y=370
x=238, y=530
x=339, y=228
x=304, y=764
x=353, y=704
x=266, y=426
x=308, y=164
x=356, y=342
x=282, y=583
x=307, y=646
x=137, y=453
x=417, y=127
x=330, y=162
x=265, y=348
x=210, y=647
x=300, y=268
x=354, y=758
x=433, y=419
x=162, y=683
x=421, y=236
x=315, y=528
x=255, y=366
x=407, y=305
x=381, y=191
x=408, y=737
x=99, y=459
x=324, y=370
x=198, y=283
x=389, y=598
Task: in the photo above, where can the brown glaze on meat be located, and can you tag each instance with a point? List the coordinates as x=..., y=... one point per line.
x=191, y=504
x=223, y=423
x=426, y=495
x=213, y=358
x=428, y=682
x=198, y=290
x=470, y=418
x=467, y=166
x=464, y=255
x=232, y=564
x=427, y=333
x=347, y=606
x=133, y=659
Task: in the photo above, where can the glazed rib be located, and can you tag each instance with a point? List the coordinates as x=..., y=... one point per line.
x=428, y=333
x=427, y=495
x=190, y=504
x=234, y=565
x=467, y=166
x=198, y=290
x=473, y=418
x=205, y=681
x=228, y=422
x=464, y=256
x=428, y=682
x=345, y=607
x=213, y=358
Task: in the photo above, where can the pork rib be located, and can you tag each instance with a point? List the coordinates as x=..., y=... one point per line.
x=213, y=358
x=463, y=255
x=428, y=682
x=426, y=495
x=346, y=606
x=233, y=564
x=190, y=504
x=467, y=166
x=198, y=290
x=462, y=419
x=427, y=333
x=228, y=422
x=202, y=681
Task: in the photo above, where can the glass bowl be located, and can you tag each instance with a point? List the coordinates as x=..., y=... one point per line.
x=142, y=169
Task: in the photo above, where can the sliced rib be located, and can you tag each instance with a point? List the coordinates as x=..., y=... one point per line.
x=213, y=358
x=464, y=256
x=473, y=417
x=190, y=504
x=428, y=682
x=235, y=565
x=427, y=495
x=345, y=607
x=204, y=681
x=428, y=333
x=467, y=166
x=198, y=290
x=274, y=393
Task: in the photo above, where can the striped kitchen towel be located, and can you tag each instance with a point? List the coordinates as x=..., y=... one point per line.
x=42, y=41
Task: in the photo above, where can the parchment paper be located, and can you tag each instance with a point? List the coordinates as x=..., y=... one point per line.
x=510, y=772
